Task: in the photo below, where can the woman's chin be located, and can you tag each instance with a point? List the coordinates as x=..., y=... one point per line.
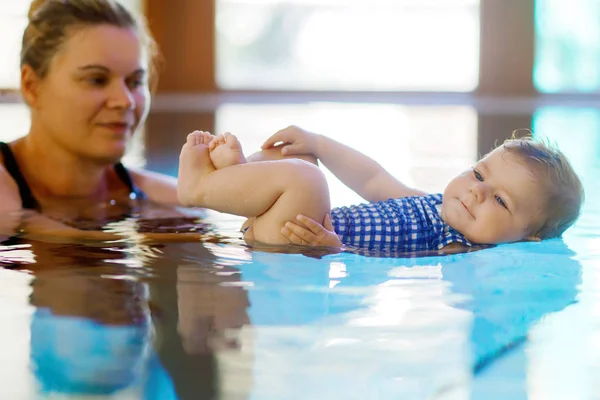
x=111, y=157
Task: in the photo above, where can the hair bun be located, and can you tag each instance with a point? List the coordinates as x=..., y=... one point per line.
x=35, y=5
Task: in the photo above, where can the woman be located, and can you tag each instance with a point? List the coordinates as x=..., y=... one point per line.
x=86, y=69
x=85, y=72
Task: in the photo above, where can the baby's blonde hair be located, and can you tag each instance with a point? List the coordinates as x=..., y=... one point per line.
x=562, y=191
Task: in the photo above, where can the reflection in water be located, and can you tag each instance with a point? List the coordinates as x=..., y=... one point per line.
x=199, y=310
x=564, y=347
x=91, y=329
x=347, y=326
x=353, y=327
x=113, y=356
x=102, y=327
x=524, y=281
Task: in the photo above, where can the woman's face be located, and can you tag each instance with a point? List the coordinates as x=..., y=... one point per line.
x=95, y=93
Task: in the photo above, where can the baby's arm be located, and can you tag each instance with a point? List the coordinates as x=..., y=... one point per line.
x=306, y=231
x=356, y=170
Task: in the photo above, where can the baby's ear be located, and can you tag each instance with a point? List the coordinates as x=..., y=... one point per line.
x=531, y=239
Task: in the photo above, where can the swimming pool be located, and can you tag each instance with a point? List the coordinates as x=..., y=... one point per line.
x=218, y=320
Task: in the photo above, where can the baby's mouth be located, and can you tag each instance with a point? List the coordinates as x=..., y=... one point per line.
x=467, y=208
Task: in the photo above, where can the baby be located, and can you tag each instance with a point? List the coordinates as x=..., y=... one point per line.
x=522, y=190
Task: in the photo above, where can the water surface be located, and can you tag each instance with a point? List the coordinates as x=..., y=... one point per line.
x=216, y=319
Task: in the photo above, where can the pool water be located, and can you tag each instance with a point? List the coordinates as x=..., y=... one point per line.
x=219, y=320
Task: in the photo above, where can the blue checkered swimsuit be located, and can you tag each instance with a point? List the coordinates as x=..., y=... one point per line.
x=405, y=224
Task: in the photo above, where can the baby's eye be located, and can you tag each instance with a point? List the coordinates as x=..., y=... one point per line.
x=478, y=176
x=501, y=202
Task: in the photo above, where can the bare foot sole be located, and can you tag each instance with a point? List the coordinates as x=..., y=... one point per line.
x=226, y=150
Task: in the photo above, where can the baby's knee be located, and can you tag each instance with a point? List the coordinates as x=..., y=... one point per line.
x=303, y=174
x=274, y=154
x=303, y=191
x=309, y=189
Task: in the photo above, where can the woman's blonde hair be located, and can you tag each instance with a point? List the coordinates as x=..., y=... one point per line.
x=562, y=191
x=52, y=21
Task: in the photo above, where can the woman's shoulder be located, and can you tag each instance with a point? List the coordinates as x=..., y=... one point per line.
x=158, y=187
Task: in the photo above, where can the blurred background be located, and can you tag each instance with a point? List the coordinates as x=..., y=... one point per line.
x=425, y=86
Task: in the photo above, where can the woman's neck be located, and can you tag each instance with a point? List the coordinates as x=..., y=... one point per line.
x=56, y=172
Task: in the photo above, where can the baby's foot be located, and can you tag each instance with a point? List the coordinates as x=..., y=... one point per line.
x=226, y=150
x=194, y=164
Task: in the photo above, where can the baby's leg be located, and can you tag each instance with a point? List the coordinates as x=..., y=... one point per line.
x=272, y=191
x=274, y=153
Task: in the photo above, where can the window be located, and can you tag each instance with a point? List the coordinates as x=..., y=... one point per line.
x=13, y=19
x=575, y=132
x=403, y=45
x=567, y=46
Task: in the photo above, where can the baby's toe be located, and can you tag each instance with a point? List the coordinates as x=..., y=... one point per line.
x=206, y=137
x=194, y=138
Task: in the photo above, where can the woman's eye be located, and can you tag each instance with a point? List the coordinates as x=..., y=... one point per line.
x=501, y=202
x=97, y=81
x=135, y=83
x=478, y=176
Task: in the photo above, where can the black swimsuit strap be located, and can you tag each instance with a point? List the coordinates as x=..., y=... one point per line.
x=10, y=163
x=29, y=202
x=125, y=177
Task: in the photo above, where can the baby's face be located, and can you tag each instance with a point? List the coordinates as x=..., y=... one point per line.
x=493, y=202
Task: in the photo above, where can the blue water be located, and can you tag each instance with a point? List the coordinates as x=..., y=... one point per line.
x=220, y=320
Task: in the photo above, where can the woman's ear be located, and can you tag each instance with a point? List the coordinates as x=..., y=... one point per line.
x=30, y=82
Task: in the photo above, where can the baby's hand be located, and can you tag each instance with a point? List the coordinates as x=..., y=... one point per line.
x=311, y=233
x=296, y=141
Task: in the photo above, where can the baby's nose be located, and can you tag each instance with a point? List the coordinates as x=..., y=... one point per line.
x=480, y=190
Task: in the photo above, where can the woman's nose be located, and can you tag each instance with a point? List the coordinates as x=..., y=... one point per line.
x=121, y=97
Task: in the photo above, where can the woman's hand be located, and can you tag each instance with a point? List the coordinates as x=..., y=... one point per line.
x=296, y=141
x=308, y=232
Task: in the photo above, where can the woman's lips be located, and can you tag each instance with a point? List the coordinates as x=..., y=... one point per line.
x=118, y=127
